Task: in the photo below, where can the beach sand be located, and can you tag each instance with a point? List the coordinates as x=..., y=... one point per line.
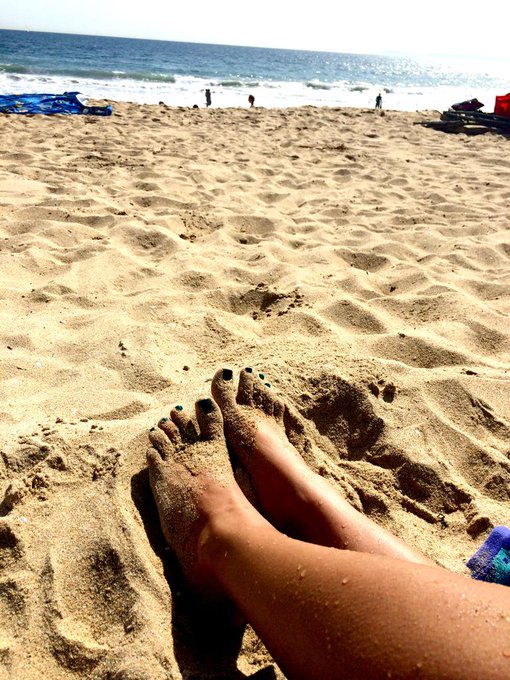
x=362, y=262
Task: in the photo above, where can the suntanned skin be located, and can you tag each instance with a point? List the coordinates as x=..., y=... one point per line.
x=375, y=610
x=293, y=497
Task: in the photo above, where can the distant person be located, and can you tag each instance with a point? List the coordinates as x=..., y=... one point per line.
x=251, y=100
x=208, y=98
x=378, y=101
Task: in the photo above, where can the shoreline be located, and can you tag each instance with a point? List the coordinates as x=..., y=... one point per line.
x=226, y=100
x=406, y=101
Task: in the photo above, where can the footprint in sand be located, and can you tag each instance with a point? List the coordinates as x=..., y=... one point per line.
x=91, y=604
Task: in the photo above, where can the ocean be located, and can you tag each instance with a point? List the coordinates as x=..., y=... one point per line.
x=178, y=73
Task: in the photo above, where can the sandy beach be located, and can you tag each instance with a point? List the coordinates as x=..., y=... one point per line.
x=361, y=261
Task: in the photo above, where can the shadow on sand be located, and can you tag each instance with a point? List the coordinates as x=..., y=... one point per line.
x=206, y=640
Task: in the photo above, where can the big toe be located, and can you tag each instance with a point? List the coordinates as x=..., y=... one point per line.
x=222, y=388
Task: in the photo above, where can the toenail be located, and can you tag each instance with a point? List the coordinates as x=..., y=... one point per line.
x=249, y=370
x=267, y=384
x=206, y=405
x=227, y=374
x=163, y=420
x=261, y=376
x=178, y=407
x=153, y=429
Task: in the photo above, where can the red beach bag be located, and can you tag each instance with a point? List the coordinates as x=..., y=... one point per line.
x=502, y=106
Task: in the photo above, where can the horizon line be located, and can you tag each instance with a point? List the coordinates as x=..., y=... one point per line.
x=389, y=53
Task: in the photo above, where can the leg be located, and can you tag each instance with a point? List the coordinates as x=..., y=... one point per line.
x=322, y=612
x=294, y=498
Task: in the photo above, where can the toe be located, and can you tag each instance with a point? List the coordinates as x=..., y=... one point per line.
x=222, y=388
x=209, y=419
x=161, y=443
x=184, y=424
x=247, y=379
x=255, y=391
x=171, y=431
x=264, y=397
x=278, y=409
x=161, y=476
x=154, y=459
x=156, y=468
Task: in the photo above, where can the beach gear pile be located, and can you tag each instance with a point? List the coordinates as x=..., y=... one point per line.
x=466, y=117
x=67, y=103
x=469, y=105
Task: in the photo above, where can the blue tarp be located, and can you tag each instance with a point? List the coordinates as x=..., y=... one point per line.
x=50, y=104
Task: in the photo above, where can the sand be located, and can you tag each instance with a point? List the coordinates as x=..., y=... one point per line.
x=361, y=261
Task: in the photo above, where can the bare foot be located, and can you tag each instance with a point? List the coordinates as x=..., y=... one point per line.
x=194, y=488
x=293, y=498
x=290, y=494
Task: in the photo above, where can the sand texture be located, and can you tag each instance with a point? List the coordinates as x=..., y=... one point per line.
x=361, y=261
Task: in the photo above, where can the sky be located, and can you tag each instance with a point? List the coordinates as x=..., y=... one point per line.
x=361, y=26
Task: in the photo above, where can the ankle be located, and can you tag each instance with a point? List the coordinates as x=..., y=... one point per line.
x=223, y=529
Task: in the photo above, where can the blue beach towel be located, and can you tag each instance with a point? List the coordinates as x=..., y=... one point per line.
x=492, y=561
x=50, y=104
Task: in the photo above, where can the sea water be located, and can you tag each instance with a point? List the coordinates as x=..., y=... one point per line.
x=178, y=73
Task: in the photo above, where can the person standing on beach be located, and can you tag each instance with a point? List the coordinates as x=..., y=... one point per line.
x=378, y=101
x=251, y=100
x=208, y=98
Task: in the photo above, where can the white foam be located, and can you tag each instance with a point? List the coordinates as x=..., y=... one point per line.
x=188, y=90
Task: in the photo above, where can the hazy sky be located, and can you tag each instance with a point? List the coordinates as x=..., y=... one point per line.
x=365, y=26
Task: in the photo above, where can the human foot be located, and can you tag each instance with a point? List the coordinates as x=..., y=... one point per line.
x=295, y=499
x=290, y=494
x=194, y=487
